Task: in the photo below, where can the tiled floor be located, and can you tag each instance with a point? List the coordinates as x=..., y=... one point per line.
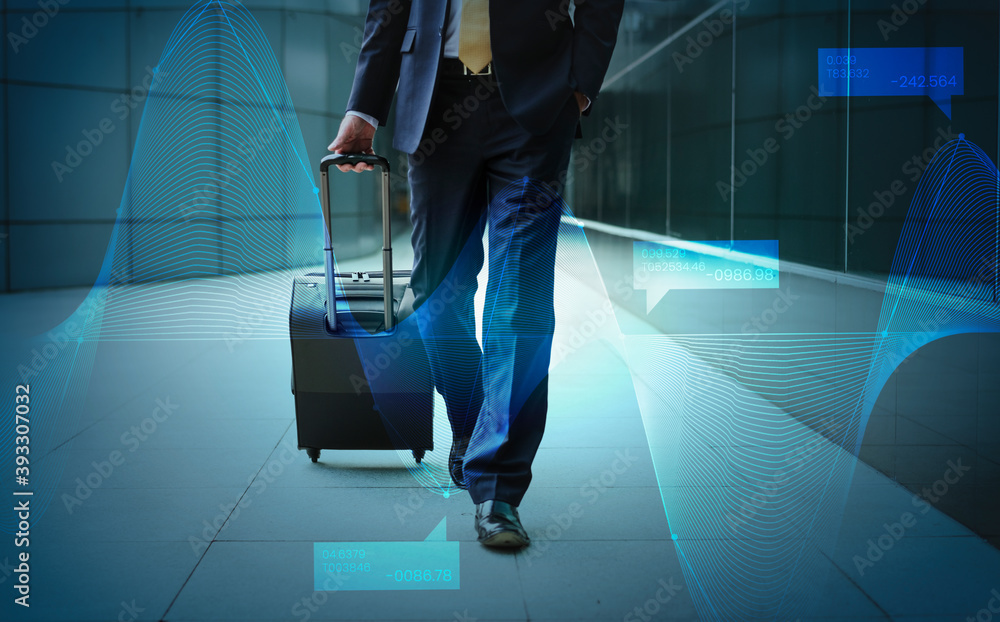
x=210, y=511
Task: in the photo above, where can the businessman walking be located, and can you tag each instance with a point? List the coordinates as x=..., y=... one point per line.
x=489, y=100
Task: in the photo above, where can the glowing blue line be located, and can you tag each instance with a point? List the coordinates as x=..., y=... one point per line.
x=305, y=169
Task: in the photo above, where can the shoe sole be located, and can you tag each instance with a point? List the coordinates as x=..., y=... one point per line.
x=504, y=540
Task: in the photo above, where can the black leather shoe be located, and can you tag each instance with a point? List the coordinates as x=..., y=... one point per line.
x=456, y=460
x=498, y=524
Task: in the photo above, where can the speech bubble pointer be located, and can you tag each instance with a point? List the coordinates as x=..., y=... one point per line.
x=943, y=102
x=654, y=294
x=439, y=533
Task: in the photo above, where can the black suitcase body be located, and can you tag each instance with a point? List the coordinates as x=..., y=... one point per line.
x=361, y=380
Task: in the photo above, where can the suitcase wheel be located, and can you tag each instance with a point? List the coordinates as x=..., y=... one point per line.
x=418, y=455
x=312, y=453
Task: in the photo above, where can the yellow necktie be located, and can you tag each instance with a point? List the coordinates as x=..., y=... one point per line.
x=474, y=35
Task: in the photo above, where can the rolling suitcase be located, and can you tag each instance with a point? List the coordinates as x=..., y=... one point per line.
x=360, y=379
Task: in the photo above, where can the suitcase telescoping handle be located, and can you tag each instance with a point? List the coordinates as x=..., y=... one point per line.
x=380, y=163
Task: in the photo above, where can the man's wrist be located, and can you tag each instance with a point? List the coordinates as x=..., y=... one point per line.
x=370, y=120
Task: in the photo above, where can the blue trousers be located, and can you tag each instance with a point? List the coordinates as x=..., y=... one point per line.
x=476, y=165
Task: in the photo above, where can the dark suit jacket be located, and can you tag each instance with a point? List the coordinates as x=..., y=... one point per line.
x=540, y=57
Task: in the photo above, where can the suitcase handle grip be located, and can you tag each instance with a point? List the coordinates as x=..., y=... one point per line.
x=337, y=159
x=380, y=162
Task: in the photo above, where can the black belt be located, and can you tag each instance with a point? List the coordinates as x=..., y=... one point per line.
x=454, y=68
